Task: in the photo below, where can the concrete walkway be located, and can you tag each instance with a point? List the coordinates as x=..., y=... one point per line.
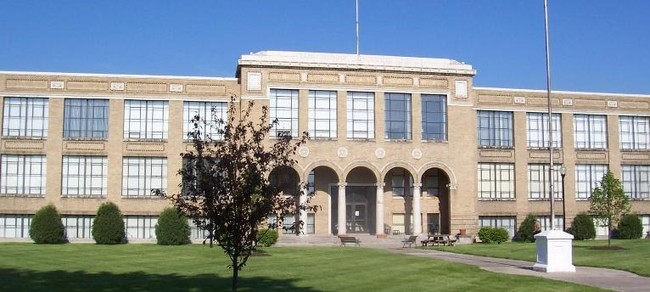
x=596, y=277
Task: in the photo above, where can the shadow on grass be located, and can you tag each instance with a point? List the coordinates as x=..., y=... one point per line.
x=22, y=280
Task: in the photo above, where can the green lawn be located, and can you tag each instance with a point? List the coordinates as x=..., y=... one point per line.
x=632, y=256
x=146, y=267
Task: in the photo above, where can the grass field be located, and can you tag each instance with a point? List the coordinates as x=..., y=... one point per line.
x=147, y=267
x=632, y=255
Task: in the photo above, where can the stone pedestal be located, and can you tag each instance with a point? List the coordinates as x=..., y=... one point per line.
x=554, y=252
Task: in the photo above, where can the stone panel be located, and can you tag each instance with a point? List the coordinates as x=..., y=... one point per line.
x=323, y=78
x=591, y=155
x=494, y=99
x=26, y=84
x=634, y=105
x=361, y=79
x=284, y=76
x=146, y=87
x=398, y=81
x=145, y=147
x=24, y=144
x=434, y=82
x=84, y=146
x=589, y=103
x=495, y=153
x=205, y=89
x=87, y=85
x=542, y=101
x=542, y=154
x=636, y=156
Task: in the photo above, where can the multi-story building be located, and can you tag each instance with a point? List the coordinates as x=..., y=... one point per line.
x=409, y=144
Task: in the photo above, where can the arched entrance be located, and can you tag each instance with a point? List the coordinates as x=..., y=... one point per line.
x=288, y=181
x=435, y=185
x=360, y=202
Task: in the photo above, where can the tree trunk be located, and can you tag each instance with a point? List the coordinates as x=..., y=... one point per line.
x=235, y=276
x=609, y=231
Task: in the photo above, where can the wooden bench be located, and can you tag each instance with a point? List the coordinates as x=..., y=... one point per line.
x=439, y=240
x=349, y=239
x=411, y=240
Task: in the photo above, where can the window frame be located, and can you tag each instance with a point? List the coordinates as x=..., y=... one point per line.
x=286, y=116
x=85, y=185
x=144, y=183
x=25, y=117
x=541, y=170
x=590, y=132
x=495, y=183
x=634, y=133
x=495, y=129
x=537, y=130
x=319, y=115
x=22, y=175
x=397, y=116
x=437, y=102
x=154, y=126
x=91, y=116
x=357, y=116
x=636, y=181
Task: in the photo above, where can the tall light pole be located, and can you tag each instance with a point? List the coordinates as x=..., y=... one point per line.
x=563, y=173
x=550, y=114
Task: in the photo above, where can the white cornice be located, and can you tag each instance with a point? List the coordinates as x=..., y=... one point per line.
x=555, y=92
x=117, y=75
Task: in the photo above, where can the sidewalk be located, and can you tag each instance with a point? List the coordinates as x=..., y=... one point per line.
x=596, y=277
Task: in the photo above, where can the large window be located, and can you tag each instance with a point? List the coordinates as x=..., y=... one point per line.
x=636, y=181
x=14, y=226
x=434, y=117
x=401, y=183
x=539, y=182
x=146, y=119
x=590, y=131
x=79, y=227
x=284, y=109
x=22, y=175
x=545, y=222
x=361, y=115
x=507, y=223
x=85, y=119
x=537, y=130
x=587, y=178
x=212, y=116
x=25, y=117
x=140, y=227
x=496, y=181
x=645, y=221
x=398, y=116
x=84, y=176
x=495, y=129
x=322, y=114
x=635, y=132
x=141, y=174
x=431, y=182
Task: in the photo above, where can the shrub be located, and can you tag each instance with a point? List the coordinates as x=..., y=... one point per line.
x=108, y=226
x=630, y=227
x=582, y=227
x=46, y=226
x=526, y=229
x=267, y=237
x=493, y=235
x=172, y=228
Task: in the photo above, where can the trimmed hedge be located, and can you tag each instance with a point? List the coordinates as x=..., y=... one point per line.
x=493, y=235
x=172, y=228
x=630, y=227
x=526, y=229
x=108, y=226
x=267, y=237
x=583, y=227
x=46, y=226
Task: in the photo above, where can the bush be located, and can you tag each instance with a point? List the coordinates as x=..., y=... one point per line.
x=46, y=226
x=630, y=227
x=526, y=229
x=582, y=227
x=172, y=228
x=493, y=235
x=267, y=237
x=108, y=226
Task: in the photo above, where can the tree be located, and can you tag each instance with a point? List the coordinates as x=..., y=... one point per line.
x=608, y=202
x=46, y=226
x=108, y=226
x=225, y=186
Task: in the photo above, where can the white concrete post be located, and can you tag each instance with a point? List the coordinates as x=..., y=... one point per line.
x=417, y=218
x=379, y=217
x=341, y=212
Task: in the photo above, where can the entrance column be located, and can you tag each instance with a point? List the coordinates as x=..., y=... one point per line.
x=342, y=223
x=379, y=217
x=303, y=213
x=417, y=217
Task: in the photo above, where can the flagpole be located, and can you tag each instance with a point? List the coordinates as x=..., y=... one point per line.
x=550, y=115
x=356, y=22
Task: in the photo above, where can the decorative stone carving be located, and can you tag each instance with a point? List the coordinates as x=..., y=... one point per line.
x=176, y=87
x=117, y=86
x=380, y=153
x=567, y=101
x=342, y=152
x=520, y=100
x=416, y=153
x=461, y=89
x=57, y=84
x=303, y=151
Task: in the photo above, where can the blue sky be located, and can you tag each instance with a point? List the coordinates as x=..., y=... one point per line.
x=595, y=45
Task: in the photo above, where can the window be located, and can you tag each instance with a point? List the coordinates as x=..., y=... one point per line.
x=431, y=183
x=507, y=223
x=398, y=116
x=496, y=181
x=15, y=226
x=590, y=131
x=284, y=109
x=645, y=221
x=545, y=222
x=587, y=178
x=289, y=224
x=78, y=226
x=322, y=114
x=145, y=119
x=25, y=117
x=434, y=117
x=85, y=119
x=539, y=183
x=635, y=132
x=361, y=115
x=23, y=175
x=636, y=181
x=402, y=184
x=537, y=130
x=213, y=115
x=495, y=129
x=196, y=232
x=140, y=227
x=141, y=174
x=84, y=176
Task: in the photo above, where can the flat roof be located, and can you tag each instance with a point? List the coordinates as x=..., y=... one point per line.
x=354, y=62
x=116, y=75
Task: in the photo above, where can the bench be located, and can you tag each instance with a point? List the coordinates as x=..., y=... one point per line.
x=411, y=240
x=349, y=239
x=439, y=240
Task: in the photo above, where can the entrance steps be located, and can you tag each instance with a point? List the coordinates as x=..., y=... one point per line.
x=367, y=240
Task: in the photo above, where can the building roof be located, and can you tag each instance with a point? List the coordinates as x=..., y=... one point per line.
x=354, y=62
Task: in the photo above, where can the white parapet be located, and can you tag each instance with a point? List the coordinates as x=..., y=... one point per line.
x=554, y=252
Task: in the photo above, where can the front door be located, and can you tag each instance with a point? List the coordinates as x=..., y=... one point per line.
x=356, y=210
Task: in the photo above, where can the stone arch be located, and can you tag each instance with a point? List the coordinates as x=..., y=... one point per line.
x=322, y=163
x=400, y=164
x=363, y=164
x=453, y=181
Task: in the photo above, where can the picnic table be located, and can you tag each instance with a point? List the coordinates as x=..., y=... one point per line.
x=438, y=239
